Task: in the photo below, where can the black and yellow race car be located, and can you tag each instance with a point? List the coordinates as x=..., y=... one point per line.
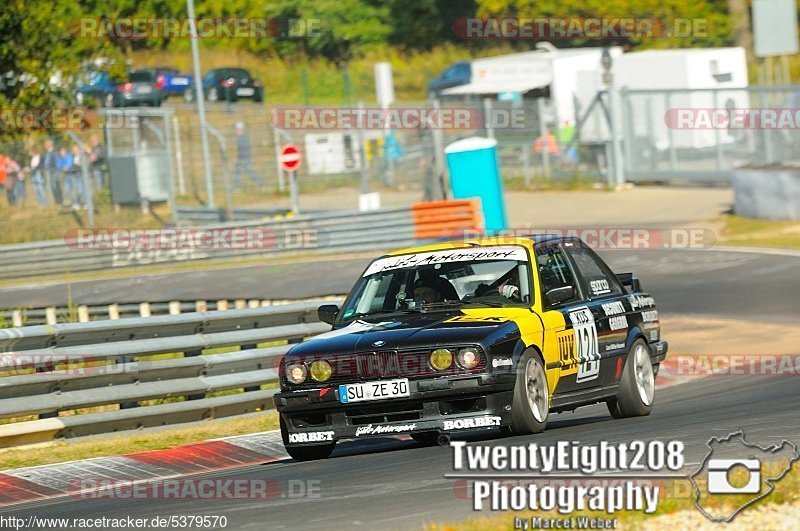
x=482, y=334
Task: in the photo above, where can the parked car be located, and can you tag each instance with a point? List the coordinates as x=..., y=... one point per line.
x=456, y=74
x=170, y=82
x=139, y=89
x=494, y=333
x=229, y=84
x=96, y=84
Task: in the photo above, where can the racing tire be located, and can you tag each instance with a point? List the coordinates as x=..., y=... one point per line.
x=188, y=96
x=637, y=385
x=531, y=402
x=305, y=453
x=258, y=97
x=212, y=94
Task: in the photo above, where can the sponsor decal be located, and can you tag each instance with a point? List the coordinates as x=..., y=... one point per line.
x=618, y=322
x=369, y=429
x=509, y=252
x=472, y=422
x=311, y=436
x=615, y=346
x=501, y=362
x=585, y=331
x=654, y=337
x=640, y=301
x=650, y=316
x=613, y=308
x=599, y=286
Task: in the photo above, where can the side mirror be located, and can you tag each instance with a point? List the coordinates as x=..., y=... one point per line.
x=556, y=296
x=327, y=313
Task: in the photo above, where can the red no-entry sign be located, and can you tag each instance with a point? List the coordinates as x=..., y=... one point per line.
x=290, y=157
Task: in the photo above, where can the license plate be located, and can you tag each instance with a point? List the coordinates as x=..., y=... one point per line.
x=180, y=81
x=381, y=390
x=143, y=90
x=244, y=92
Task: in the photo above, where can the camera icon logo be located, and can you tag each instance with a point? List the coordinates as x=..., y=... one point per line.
x=721, y=470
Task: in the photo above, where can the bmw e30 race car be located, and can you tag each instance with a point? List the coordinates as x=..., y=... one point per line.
x=495, y=332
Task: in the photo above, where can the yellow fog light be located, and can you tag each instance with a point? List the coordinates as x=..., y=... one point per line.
x=441, y=359
x=468, y=358
x=321, y=370
x=296, y=372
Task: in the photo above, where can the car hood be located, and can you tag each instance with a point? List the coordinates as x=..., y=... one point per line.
x=414, y=330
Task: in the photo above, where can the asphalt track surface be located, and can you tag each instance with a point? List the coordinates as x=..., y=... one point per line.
x=746, y=285
x=389, y=483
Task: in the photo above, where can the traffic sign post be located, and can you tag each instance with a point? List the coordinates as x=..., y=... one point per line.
x=290, y=159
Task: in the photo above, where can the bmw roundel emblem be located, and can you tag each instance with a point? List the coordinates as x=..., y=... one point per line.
x=379, y=343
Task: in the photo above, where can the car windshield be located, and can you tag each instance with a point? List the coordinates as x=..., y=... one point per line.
x=142, y=76
x=440, y=281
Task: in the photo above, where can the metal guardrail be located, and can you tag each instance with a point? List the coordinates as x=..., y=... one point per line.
x=115, y=368
x=325, y=232
x=19, y=317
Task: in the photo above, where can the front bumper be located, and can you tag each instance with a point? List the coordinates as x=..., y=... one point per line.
x=658, y=352
x=478, y=401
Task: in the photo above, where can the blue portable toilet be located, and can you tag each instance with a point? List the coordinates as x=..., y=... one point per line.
x=475, y=172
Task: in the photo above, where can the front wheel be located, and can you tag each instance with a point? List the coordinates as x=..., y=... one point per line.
x=531, y=402
x=637, y=385
x=305, y=453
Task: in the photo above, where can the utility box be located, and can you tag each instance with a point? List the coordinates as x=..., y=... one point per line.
x=475, y=172
x=137, y=178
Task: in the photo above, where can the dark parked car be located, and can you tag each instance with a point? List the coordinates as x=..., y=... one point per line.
x=139, y=89
x=229, y=84
x=455, y=75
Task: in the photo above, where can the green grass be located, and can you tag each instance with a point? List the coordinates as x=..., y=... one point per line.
x=760, y=233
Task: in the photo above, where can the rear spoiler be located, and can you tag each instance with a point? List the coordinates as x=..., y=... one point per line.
x=630, y=282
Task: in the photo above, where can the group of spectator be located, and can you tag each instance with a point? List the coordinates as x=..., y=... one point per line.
x=56, y=175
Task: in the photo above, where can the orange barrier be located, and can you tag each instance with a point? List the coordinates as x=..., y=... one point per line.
x=440, y=219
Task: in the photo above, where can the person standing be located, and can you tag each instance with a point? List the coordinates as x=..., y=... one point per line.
x=98, y=161
x=50, y=172
x=244, y=160
x=64, y=167
x=8, y=177
x=36, y=172
x=75, y=174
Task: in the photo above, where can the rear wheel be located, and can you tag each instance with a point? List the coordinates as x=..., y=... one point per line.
x=305, y=453
x=531, y=402
x=637, y=385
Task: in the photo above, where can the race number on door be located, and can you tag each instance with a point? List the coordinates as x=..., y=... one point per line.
x=585, y=343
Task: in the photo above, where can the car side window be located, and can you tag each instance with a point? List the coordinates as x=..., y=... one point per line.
x=554, y=271
x=598, y=279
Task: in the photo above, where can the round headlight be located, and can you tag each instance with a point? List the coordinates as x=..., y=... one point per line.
x=468, y=358
x=441, y=359
x=321, y=370
x=296, y=372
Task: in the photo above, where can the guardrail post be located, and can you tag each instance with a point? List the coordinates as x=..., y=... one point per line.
x=50, y=315
x=113, y=311
x=144, y=309
x=174, y=307
x=222, y=305
x=201, y=306
x=16, y=318
x=240, y=304
x=83, y=314
x=192, y=354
